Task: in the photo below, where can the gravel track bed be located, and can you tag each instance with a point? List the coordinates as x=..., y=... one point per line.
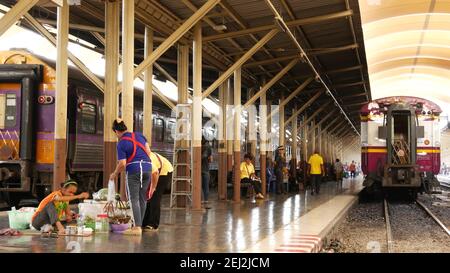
x=439, y=209
x=362, y=231
x=413, y=230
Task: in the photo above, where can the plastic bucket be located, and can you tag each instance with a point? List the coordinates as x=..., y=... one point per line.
x=119, y=228
x=20, y=220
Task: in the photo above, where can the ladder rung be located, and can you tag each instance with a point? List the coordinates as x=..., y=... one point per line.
x=180, y=162
x=176, y=164
x=182, y=149
x=181, y=178
x=182, y=173
x=182, y=193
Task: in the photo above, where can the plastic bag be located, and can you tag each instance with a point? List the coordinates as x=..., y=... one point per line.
x=111, y=191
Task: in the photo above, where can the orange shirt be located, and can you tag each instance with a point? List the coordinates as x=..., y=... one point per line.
x=59, y=205
x=352, y=167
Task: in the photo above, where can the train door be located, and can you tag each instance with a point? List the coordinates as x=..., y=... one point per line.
x=401, y=145
x=402, y=152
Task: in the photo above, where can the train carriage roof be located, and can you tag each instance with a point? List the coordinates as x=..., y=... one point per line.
x=425, y=104
x=75, y=75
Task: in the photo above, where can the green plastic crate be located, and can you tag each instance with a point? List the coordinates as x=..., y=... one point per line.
x=19, y=220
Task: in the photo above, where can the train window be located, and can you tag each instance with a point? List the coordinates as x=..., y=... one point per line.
x=101, y=110
x=138, y=121
x=88, y=118
x=158, y=130
x=169, y=128
x=8, y=107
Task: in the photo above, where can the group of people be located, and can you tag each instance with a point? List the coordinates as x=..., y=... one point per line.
x=143, y=169
x=278, y=174
x=143, y=187
x=313, y=170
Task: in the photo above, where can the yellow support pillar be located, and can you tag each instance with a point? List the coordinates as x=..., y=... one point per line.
x=112, y=17
x=127, y=109
x=59, y=167
x=237, y=135
x=148, y=87
x=197, y=118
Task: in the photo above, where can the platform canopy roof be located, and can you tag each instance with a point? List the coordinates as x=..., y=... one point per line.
x=408, y=48
x=329, y=31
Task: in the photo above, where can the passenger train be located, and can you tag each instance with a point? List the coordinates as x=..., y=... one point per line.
x=27, y=95
x=27, y=112
x=400, y=140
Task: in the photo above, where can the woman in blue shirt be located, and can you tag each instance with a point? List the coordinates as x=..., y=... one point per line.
x=133, y=153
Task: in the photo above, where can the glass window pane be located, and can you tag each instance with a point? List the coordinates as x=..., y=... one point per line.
x=88, y=118
x=170, y=127
x=158, y=130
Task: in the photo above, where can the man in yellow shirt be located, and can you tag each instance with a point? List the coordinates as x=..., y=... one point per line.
x=315, y=171
x=161, y=167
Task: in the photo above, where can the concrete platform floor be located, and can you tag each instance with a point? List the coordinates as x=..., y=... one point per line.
x=226, y=227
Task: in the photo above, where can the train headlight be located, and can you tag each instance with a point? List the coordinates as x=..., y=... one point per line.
x=44, y=99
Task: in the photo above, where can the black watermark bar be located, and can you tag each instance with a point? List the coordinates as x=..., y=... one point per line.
x=217, y=262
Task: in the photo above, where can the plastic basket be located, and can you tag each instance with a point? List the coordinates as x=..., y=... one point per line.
x=20, y=220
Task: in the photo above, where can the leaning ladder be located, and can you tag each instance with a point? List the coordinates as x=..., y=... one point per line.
x=182, y=159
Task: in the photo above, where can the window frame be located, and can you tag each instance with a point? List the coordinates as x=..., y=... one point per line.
x=94, y=106
x=154, y=135
x=166, y=130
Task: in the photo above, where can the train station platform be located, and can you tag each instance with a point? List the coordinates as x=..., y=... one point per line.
x=270, y=225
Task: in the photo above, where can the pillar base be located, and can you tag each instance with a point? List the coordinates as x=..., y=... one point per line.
x=197, y=178
x=222, y=180
x=237, y=177
x=263, y=167
x=109, y=161
x=59, y=167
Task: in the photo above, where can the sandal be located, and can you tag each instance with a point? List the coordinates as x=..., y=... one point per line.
x=133, y=232
x=149, y=229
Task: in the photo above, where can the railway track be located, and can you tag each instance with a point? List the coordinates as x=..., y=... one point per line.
x=387, y=208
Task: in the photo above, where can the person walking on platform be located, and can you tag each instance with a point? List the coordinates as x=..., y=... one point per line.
x=271, y=178
x=280, y=164
x=133, y=154
x=206, y=159
x=339, y=169
x=315, y=172
x=352, y=169
x=158, y=185
x=248, y=175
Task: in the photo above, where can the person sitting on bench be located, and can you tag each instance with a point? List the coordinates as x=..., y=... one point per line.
x=248, y=175
x=55, y=208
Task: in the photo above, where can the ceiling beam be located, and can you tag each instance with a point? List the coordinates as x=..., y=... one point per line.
x=15, y=13
x=345, y=69
x=225, y=75
x=173, y=38
x=270, y=61
x=313, y=52
x=83, y=68
x=355, y=104
x=323, y=119
x=268, y=85
x=244, y=25
x=331, y=123
x=343, y=85
x=316, y=112
x=303, y=108
x=298, y=22
x=89, y=28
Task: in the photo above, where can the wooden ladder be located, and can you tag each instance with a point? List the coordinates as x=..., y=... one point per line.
x=182, y=159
